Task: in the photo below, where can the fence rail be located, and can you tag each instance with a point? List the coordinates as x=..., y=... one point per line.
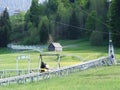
x=55, y=73
x=39, y=48
x=13, y=72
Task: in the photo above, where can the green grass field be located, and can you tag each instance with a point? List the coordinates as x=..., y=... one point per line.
x=74, y=51
x=102, y=78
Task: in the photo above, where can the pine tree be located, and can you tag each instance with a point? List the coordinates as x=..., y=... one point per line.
x=5, y=28
x=52, y=6
x=34, y=13
x=115, y=21
x=44, y=30
x=90, y=23
x=73, y=31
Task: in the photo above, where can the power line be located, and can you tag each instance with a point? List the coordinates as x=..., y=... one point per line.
x=65, y=24
x=97, y=19
x=68, y=25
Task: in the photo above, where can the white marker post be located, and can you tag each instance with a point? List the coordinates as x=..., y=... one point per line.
x=22, y=57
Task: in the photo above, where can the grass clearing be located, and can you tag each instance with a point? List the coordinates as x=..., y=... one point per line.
x=74, y=51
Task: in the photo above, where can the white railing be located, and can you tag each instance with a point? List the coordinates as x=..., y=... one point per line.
x=55, y=73
x=39, y=48
x=13, y=72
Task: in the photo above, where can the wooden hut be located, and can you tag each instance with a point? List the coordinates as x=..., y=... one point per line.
x=55, y=47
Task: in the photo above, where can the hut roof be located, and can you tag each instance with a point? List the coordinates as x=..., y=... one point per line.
x=56, y=45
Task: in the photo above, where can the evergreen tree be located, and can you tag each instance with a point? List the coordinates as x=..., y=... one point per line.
x=115, y=21
x=17, y=24
x=72, y=1
x=90, y=23
x=44, y=30
x=62, y=16
x=34, y=13
x=1, y=37
x=57, y=26
x=52, y=6
x=5, y=28
x=73, y=31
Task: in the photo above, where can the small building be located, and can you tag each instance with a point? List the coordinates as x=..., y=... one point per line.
x=55, y=47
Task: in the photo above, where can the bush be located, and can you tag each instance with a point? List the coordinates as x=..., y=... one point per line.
x=96, y=38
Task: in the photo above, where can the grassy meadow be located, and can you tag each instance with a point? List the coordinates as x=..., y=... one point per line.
x=102, y=78
x=74, y=51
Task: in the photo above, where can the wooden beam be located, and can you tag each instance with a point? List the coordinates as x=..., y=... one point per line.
x=49, y=54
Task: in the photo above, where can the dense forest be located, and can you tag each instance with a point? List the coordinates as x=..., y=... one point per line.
x=55, y=20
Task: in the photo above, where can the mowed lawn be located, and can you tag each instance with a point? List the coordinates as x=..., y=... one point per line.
x=100, y=78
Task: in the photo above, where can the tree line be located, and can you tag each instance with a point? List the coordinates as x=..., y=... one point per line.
x=64, y=19
x=60, y=19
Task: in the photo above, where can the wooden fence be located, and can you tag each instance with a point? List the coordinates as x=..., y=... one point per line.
x=55, y=73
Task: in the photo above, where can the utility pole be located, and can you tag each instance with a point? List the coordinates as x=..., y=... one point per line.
x=109, y=3
x=111, y=48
